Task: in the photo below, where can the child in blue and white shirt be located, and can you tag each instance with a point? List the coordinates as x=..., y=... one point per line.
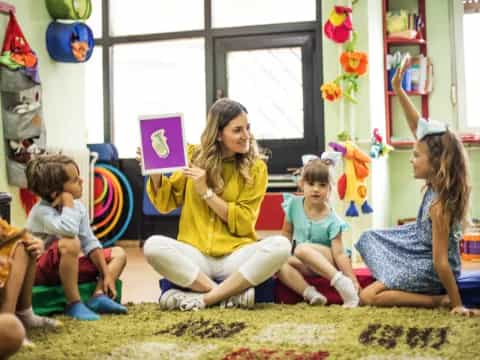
x=316, y=233
x=72, y=252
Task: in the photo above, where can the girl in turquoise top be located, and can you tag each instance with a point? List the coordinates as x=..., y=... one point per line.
x=316, y=232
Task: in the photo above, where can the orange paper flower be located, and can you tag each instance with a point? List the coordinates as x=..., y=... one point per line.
x=354, y=62
x=331, y=91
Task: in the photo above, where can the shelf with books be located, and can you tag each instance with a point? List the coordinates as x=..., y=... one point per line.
x=403, y=41
x=467, y=139
x=409, y=93
x=404, y=31
x=470, y=139
x=401, y=143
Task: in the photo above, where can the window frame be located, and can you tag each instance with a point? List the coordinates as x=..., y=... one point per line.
x=296, y=146
x=107, y=41
x=469, y=134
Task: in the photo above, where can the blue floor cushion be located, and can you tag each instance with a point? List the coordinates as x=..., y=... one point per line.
x=264, y=292
x=469, y=286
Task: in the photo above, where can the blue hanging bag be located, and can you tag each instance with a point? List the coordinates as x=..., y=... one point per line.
x=69, y=42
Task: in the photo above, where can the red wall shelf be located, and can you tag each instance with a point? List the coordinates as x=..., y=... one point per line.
x=389, y=42
x=409, y=93
x=402, y=41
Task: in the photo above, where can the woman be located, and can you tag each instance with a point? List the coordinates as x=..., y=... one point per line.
x=221, y=192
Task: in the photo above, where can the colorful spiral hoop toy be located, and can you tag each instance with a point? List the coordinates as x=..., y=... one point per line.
x=113, y=204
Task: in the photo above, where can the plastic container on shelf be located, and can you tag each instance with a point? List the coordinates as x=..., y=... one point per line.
x=470, y=245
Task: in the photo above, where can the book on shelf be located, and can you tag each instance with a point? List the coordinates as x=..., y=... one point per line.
x=418, y=77
x=421, y=73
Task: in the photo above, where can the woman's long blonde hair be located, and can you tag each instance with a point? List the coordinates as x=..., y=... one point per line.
x=208, y=155
x=450, y=175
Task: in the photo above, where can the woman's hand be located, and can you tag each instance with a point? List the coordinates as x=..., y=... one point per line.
x=397, y=78
x=461, y=310
x=199, y=178
x=138, y=156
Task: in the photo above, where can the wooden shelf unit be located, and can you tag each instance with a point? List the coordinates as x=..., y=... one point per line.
x=388, y=43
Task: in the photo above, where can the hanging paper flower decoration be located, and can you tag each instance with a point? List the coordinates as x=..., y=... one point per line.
x=331, y=91
x=339, y=24
x=354, y=62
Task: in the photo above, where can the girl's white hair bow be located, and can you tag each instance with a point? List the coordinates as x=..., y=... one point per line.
x=432, y=127
x=333, y=157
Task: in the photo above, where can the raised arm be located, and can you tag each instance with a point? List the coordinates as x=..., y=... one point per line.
x=411, y=113
x=65, y=222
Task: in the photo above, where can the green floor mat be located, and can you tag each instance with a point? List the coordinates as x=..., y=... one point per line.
x=51, y=299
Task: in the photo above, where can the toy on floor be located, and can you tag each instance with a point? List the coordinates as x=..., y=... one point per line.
x=351, y=185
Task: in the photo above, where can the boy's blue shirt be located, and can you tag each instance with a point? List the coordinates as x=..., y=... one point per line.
x=67, y=222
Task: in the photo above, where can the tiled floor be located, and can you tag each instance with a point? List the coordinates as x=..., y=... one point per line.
x=140, y=281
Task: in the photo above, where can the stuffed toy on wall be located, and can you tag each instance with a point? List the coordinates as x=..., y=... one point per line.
x=351, y=185
x=379, y=147
x=339, y=24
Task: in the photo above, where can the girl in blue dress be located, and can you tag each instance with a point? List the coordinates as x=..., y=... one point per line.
x=414, y=264
x=316, y=231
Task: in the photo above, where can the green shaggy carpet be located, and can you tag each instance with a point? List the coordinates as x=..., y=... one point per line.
x=268, y=332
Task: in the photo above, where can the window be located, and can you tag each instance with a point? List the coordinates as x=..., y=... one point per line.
x=157, y=78
x=471, y=27
x=272, y=75
x=95, y=19
x=161, y=57
x=230, y=13
x=270, y=82
x=94, y=97
x=155, y=16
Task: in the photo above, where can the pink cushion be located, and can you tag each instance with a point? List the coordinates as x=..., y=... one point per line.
x=284, y=295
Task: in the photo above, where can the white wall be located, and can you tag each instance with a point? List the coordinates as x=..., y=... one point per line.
x=63, y=93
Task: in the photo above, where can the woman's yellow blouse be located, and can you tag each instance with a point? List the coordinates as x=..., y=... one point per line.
x=199, y=225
